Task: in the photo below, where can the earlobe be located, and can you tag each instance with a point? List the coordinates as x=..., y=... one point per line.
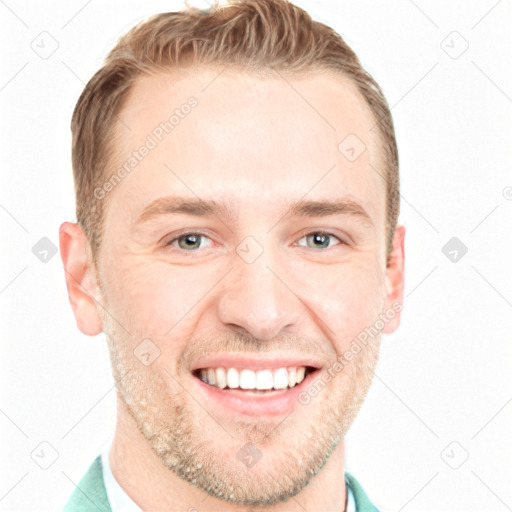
x=80, y=276
x=394, y=281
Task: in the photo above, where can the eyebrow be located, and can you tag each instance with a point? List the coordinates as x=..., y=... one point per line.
x=187, y=206
x=330, y=207
x=207, y=208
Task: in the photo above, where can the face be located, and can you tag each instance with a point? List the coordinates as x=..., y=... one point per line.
x=244, y=238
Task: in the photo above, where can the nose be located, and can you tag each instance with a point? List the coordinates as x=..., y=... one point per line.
x=258, y=298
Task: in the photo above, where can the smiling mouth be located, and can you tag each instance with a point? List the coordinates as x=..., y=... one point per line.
x=254, y=381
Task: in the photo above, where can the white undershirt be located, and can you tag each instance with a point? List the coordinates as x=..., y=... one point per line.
x=121, y=502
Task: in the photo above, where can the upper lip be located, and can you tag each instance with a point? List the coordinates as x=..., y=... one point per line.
x=259, y=362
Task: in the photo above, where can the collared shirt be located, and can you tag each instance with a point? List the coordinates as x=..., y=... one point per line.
x=121, y=502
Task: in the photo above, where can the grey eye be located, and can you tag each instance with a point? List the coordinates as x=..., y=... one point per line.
x=188, y=241
x=319, y=240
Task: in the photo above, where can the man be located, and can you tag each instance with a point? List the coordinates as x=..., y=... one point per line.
x=237, y=197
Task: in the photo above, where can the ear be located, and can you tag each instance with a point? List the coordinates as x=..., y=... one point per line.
x=394, y=280
x=80, y=274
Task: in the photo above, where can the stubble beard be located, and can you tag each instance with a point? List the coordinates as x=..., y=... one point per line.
x=293, y=450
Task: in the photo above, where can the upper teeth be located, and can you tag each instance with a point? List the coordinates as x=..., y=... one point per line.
x=279, y=378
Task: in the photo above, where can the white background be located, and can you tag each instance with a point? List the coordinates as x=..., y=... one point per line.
x=443, y=377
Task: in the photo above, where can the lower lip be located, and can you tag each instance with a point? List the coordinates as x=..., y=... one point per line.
x=272, y=403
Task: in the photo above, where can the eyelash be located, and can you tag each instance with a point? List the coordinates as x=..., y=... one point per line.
x=194, y=233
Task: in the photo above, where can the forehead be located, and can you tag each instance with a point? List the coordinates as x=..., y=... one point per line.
x=255, y=141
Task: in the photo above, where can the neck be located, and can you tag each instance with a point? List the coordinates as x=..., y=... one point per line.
x=152, y=486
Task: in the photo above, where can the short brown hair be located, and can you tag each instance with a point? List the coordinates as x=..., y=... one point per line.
x=253, y=34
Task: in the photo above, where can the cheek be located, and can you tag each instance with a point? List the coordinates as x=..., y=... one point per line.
x=144, y=299
x=346, y=298
x=158, y=301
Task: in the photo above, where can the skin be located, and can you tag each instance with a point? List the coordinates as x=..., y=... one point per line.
x=254, y=143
